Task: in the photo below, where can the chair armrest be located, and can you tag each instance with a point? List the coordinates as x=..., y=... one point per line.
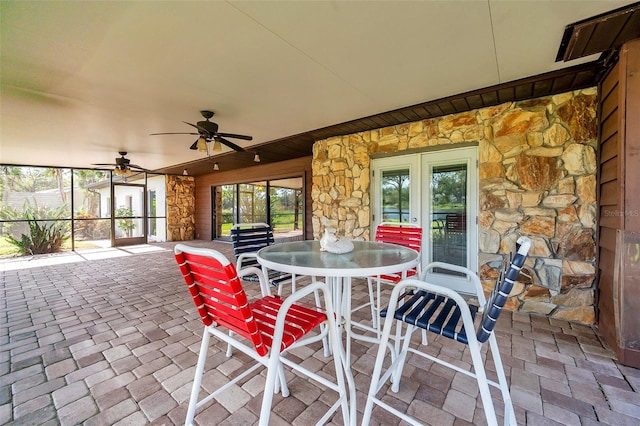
x=252, y=270
x=307, y=290
x=439, y=279
x=241, y=258
x=448, y=266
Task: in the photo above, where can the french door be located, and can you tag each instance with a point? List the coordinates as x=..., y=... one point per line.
x=437, y=191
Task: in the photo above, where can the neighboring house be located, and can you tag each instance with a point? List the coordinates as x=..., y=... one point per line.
x=49, y=198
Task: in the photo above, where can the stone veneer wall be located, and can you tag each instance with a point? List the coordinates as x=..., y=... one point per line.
x=537, y=178
x=181, y=208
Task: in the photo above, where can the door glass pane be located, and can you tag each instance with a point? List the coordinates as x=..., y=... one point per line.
x=395, y=195
x=156, y=208
x=285, y=198
x=253, y=202
x=227, y=214
x=91, y=192
x=449, y=213
x=129, y=211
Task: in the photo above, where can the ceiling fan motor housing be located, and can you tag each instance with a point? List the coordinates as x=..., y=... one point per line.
x=122, y=163
x=207, y=128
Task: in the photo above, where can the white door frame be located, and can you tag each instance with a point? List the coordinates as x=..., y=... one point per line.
x=420, y=166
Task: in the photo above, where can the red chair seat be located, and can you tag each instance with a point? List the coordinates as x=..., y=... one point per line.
x=299, y=320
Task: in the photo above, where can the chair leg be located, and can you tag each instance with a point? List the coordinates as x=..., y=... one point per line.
x=481, y=378
x=325, y=341
x=197, y=380
x=372, y=303
x=229, y=348
x=509, y=413
x=401, y=354
x=339, y=360
x=281, y=383
x=377, y=371
x=274, y=369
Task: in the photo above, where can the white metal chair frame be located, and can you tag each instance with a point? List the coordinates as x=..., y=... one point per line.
x=274, y=338
x=247, y=239
x=421, y=309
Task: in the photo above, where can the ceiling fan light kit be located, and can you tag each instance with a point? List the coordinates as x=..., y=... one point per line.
x=122, y=172
x=201, y=144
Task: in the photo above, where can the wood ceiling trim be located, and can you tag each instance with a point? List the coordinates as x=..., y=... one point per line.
x=600, y=33
x=301, y=145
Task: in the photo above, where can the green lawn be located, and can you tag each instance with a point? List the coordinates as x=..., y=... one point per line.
x=6, y=248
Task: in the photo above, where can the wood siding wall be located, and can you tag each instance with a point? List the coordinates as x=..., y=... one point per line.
x=284, y=169
x=619, y=177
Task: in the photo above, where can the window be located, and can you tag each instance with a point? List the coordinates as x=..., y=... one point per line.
x=276, y=202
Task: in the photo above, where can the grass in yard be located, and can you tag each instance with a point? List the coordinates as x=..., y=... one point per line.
x=7, y=249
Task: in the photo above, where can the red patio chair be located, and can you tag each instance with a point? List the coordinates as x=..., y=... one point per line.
x=404, y=234
x=265, y=329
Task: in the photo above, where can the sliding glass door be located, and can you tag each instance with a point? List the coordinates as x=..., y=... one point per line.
x=278, y=202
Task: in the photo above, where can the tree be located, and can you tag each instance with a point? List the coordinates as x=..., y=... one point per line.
x=82, y=179
x=10, y=178
x=449, y=187
x=395, y=194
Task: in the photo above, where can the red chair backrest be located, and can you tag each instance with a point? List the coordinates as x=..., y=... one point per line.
x=407, y=236
x=218, y=294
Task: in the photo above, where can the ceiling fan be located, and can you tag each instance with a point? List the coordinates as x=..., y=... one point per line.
x=207, y=131
x=123, y=165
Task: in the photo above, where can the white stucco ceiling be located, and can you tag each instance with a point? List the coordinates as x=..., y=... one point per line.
x=83, y=80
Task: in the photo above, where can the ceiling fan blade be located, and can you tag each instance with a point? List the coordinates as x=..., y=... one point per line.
x=233, y=135
x=228, y=143
x=104, y=164
x=173, y=133
x=194, y=146
x=192, y=125
x=142, y=169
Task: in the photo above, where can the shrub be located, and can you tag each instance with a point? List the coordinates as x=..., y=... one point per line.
x=124, y=221
x=46, y=231
x=84, y=227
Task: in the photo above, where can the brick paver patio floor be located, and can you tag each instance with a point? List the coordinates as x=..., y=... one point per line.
x=110, y=337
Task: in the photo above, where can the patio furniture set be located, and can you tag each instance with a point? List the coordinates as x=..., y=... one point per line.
x=270, y=328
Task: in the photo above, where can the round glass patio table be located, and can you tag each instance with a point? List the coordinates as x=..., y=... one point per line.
x=368, y=258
